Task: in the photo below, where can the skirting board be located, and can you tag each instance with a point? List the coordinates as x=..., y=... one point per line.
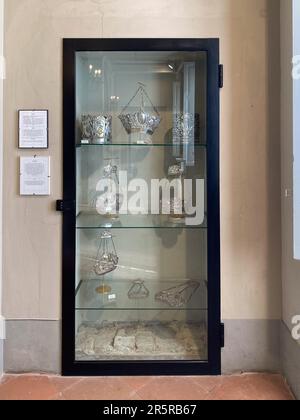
x=251, y=346
x=35, y=346
x=32, y=346
x=1, y=358
x=2, y=338
x=290, y=357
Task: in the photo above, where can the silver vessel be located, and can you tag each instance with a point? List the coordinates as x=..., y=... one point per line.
x=142, y=122
x=96, y=128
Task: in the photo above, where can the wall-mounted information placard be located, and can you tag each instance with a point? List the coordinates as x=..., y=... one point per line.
x=33, y=129
x=35, y=176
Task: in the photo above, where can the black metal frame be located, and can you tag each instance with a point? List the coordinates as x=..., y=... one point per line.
x=215, y=331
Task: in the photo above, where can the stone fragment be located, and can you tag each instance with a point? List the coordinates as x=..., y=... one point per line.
x=89, y=346
x=168, y=346
x=88, y=330
x=145, y=343
x=174, y=339
x=175, y=326
x=124, y=343
x=104, y=341
x=163, y=331
x=80, y=341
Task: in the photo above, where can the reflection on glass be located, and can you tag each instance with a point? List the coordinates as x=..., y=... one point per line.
x=141, y=283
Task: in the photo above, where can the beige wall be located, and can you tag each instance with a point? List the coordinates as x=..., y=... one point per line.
x=250, y=142
x=2, y=328
x=2, y=76
x=290, y=349
x=290, y=266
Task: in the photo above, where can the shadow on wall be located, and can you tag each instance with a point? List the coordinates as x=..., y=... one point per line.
x=273, y=149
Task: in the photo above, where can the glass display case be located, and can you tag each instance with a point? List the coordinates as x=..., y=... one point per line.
x=141, y=263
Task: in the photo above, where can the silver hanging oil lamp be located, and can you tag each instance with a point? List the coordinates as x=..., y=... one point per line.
x=142, y=122
x=107, y=259
x=138, y=290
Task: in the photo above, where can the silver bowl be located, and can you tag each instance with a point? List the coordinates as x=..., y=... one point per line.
x=140, y=122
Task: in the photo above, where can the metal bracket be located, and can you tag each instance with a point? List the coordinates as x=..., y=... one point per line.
x=222, y=335
x=63, y=206
x=221, y=76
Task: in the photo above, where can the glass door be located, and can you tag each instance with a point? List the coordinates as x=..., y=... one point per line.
x=141, y=278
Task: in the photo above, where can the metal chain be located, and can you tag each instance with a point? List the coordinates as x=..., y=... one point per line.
x=147, y=96
x=141, y=89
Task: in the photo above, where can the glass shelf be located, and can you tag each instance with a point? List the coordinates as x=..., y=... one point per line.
x=79, y=146
x=114, y=308
x=93, y=220
x=117, y=298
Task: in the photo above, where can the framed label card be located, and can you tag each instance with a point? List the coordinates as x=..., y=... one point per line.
x=33, y=129
x=35, y=176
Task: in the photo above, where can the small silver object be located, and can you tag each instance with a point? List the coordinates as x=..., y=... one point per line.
x=107, y=259
x=177, y=170
x=110, y=203
x=96, y=128
x=138, y=290
x=177, y=297
x=175, y=208
x=183, y=126
x=110, y=170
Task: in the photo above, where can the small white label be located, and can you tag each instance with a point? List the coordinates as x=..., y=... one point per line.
x=85, y=142
x=112, y=297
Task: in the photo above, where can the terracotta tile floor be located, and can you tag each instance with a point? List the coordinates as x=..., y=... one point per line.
x=240, y=387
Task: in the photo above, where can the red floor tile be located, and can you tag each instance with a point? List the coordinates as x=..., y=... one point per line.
x=63, y=384
x=27, y=388
x=6, y=379
x=172, y=389
x=231, y=388
x=136, y=382
x=207, y=383
x=99, y=389
x=251, y=387
x=239, y=387
x=267, y=387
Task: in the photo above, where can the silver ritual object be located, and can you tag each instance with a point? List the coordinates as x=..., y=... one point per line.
x=138, y=290
x=175, y=207
x=109, y=204
x=142, y=122
x=177, y=170
x=110, y=170
x=96, y=128
x=177, y=297
x=107, y=259
x=186, y=127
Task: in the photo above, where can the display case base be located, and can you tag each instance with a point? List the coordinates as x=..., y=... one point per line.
x=142, y=341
